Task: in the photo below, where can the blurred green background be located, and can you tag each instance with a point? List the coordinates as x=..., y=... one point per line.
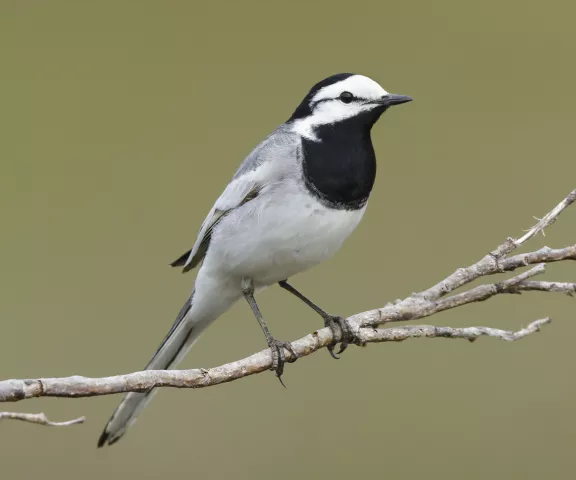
x=122, y=122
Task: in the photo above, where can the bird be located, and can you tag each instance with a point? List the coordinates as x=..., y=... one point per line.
x=290, y=206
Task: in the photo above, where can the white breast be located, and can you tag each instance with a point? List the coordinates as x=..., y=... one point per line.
x=283, y=232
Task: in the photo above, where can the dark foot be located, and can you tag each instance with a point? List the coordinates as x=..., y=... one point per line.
x=279, y=357
x=338, y=324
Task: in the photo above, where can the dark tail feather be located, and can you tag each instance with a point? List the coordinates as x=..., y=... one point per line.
x=170, y=351
x=181, y=261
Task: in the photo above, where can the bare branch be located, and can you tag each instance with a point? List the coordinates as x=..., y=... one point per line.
x=478, y=294
x=362, y=325
x=38, y=418
x=403, y=311
x=15, y=390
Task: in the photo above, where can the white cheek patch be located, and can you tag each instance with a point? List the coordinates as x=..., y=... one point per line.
x=325, y=113
x=328, y=109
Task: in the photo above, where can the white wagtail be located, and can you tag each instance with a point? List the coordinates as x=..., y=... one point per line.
x=291, y=204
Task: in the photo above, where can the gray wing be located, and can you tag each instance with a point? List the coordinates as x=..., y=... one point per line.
x=269, y=163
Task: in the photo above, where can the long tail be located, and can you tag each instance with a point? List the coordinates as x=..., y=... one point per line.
x=180, y=338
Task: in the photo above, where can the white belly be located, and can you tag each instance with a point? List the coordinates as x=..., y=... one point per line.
x=271, y=239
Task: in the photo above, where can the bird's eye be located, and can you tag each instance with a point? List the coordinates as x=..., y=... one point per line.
x=346, y=97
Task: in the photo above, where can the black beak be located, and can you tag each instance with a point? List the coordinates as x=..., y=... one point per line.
x=392, y=99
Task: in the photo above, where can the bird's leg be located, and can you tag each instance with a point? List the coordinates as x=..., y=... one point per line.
x=276, y=346
x=330, y=321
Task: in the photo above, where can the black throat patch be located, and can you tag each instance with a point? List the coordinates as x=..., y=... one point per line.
x=340, y=168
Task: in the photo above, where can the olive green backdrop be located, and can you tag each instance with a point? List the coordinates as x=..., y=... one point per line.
x=121, y=122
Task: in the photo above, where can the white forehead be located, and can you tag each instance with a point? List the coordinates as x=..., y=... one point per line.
x=358, y=85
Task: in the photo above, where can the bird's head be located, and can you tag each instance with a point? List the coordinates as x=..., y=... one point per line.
x=344, y=97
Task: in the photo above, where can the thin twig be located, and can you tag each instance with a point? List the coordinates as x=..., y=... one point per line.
x=561, y=287
x=490, y=263
x=470, y=333
x=39, y=419
x=544, y=255
x=548, y=219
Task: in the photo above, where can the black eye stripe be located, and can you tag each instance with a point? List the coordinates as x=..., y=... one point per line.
x=356, y=99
